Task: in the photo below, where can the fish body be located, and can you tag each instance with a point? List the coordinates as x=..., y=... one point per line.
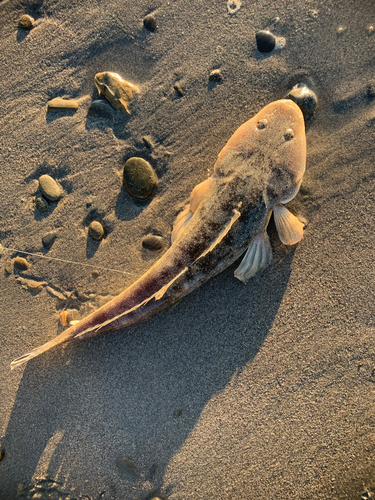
x=118, y=91
x=260, y=168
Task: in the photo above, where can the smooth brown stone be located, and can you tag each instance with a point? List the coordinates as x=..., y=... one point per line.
x=21, y=264
x=59, y=104
x=49, y=187
x=26, y=22
x=96, y=230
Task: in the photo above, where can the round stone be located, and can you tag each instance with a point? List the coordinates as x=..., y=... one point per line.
x=149, y=22
x=41, y=203
x=21, y=264
x=305, y=98
x=139, y=178
x=153, y=242
x=49, y=238
x=266, y=41
x=26, y=22
x=96, y=230
x=49, y=188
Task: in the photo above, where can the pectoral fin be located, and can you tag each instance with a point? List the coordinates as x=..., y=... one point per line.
x=289, y=228
x=257, y=257
x=198, y=195
x=181, y=222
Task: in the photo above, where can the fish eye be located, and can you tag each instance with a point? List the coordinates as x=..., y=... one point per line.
x=289, y=134
x=262, y=124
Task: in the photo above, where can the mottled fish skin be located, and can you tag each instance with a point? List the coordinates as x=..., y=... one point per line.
x=260, y=168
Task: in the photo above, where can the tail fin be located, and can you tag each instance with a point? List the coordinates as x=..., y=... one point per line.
x=32, y=354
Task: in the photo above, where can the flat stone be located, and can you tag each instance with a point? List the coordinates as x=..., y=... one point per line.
x=139, y=178
x=26, y=22
x=125, y=464
x=49, y=187
x=59, y=104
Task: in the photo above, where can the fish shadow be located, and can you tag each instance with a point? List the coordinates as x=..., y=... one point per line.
x=137, y=392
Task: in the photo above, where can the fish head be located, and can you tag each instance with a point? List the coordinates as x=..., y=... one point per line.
x=272, y=145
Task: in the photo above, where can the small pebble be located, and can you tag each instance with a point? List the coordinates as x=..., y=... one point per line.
x=49, y=187
x=139, y=178
x=215, y=76
x=305, y=98
x=149, y=22
x=59, y=104
x=96, y=230
x=179, y=89
x=233, y=6
x=101, y=108
x=41, y=203
x=153, y=242
x=9, y=267
x=1, y=250
x=266, y=41
x=95, y=273
x=341, y=29
x=147, y=141
x=370, y=30
x=21, y=264
x=127, y=465
x=2, y=454
x=49, y=238
x=26, y=22
x=67, y=316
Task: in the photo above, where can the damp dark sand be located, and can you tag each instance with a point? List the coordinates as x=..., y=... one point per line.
x=257, y=391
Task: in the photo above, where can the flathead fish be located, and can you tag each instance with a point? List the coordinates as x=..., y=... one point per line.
x=256, y=173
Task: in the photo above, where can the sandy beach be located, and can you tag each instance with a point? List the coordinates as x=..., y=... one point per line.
x=257, y=391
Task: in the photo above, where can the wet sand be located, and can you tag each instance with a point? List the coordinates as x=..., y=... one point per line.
x=256, y=391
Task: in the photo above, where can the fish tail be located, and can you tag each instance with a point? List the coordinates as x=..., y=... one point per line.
x=60, y=339
x=32, y=354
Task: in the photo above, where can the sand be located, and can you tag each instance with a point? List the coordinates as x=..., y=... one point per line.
x=237, y=392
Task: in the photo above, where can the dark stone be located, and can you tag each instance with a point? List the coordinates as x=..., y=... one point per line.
x=266, y=41
x=149, y=22
x=49, y=238
x=215, y=76
x=139, y=178
x=305, y=98
x=153, y=243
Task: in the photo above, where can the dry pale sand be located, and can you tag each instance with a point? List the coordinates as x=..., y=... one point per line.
x=264, y=391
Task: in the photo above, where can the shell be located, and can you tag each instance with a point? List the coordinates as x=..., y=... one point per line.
x=118, y=91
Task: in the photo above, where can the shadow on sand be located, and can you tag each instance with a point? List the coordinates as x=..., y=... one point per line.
x=136, y=393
